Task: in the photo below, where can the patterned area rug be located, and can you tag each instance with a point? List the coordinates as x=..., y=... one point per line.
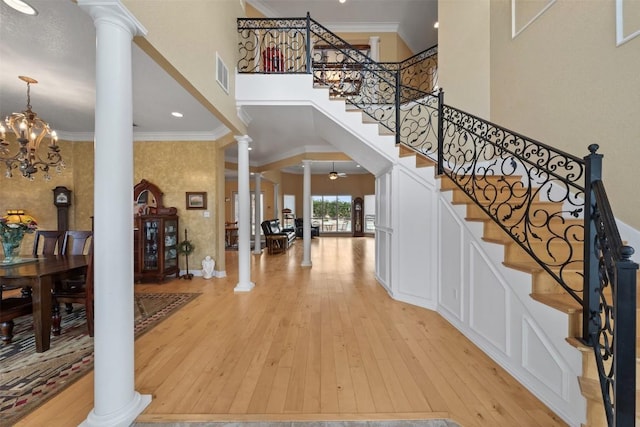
x=28, y=379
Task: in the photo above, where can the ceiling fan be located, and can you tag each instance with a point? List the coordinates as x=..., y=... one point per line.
x=335, y=175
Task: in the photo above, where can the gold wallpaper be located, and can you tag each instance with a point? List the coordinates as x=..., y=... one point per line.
x=175, y=167
x=180, y=167
x=36, y=197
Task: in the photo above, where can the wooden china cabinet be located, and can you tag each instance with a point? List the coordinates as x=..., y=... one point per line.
x=155, y=235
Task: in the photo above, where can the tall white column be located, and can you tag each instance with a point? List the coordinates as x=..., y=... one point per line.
x=276, y=201
x=306, y=214
x=374, y=43
x=244, y=217
x=116, y=402
x=257, y=246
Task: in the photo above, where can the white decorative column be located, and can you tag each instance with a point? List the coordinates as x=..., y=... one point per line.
x=374, y=44
x=116, y=403
x=244, y=217
x=276, y=201
x=257, y=246
x=306, y=214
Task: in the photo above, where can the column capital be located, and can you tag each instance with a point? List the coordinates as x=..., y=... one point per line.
x=243, y=138
x=114, y=12
x=307, y=162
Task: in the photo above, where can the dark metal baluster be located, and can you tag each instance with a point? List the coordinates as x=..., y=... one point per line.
x=625, y=339
x=591, y=285
x=440, y=131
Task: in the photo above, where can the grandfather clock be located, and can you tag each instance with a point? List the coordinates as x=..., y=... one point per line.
x=358, y=217
x=62, y=200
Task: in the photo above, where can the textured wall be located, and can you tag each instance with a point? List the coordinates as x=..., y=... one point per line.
x=36, y=197
x=177, y=168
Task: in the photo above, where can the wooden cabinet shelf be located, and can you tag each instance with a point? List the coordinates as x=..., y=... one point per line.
x=155, y=235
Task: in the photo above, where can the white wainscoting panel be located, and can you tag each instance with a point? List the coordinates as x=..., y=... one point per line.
x=452, y=261
x=487, y=291
x=541, y=360
x=415, y=218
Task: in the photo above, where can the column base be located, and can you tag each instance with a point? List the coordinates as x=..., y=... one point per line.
x=306, y=264
x=123, y=418
x=244, y=287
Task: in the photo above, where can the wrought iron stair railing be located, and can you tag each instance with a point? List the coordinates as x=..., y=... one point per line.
x=551, y=203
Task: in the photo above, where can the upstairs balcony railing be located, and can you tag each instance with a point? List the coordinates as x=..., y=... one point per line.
x=551, y=203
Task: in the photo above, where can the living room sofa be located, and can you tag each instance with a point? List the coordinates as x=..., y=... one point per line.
x=273, y=233
x=299, y=222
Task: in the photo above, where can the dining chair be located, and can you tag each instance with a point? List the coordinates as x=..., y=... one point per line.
x=74, y=292
x=48, y=242
x=76, y=242
x=11, y=308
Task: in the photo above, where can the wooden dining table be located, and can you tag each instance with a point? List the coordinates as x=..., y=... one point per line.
x=39, y=274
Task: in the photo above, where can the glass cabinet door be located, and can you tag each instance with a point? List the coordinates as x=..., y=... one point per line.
x=150, y=249
x=170, y=243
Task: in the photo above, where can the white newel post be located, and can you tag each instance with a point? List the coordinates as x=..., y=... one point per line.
x=257, y=245
x=374, y=44
x=116, y=403
x=244, y=217
x=306, y=214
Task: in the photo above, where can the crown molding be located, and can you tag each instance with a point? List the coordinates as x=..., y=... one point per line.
x=213, y=135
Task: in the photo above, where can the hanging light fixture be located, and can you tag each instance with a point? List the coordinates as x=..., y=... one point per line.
x=30, y=131
x=333, y=174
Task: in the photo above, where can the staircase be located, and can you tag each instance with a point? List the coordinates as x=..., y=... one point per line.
x=507, y=207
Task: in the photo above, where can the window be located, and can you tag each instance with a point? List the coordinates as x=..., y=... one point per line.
x=290, y=203
x=253, y=209
x=331, y=213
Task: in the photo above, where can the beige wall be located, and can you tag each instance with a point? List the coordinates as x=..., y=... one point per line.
x=187, y=34
x=231, y=186
x=392, y=47
x=354, y=185
x=562, y=81
x=464, y=54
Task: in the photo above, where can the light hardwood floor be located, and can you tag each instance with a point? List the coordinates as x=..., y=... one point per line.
x=320, y=343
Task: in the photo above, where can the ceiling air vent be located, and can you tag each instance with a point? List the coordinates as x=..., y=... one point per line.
x=222, y=74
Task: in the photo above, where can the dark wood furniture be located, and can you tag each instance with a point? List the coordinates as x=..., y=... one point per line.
x=230, y=234
x=155, y=238
x=62, y=201
x=48, y=242
x=276, y=238
x=11, y=308
x=39, y=275
x=358, y=217
x=77, y=242
x=74, y=292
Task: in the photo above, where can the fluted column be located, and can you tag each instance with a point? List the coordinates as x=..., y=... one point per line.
x=244, y=217
x=374, y=44
x=115, y=400
x=306, y=214
x=257, y=246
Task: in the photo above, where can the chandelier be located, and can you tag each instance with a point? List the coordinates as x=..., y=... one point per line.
x=30, y=131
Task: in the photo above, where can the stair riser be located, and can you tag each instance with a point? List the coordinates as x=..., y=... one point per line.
x=507, y=215
x=493, y=232
x=552, y=254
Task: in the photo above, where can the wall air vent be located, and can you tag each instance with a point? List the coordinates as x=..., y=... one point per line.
x=222, y=74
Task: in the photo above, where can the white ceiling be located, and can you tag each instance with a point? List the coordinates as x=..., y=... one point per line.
x=57, y=48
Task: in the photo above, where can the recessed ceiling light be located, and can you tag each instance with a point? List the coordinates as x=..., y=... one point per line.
x=21, y=6
x=436, y=25
x=357, y=166
x=177, y=114
x=250, y=148
x=342, y=1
